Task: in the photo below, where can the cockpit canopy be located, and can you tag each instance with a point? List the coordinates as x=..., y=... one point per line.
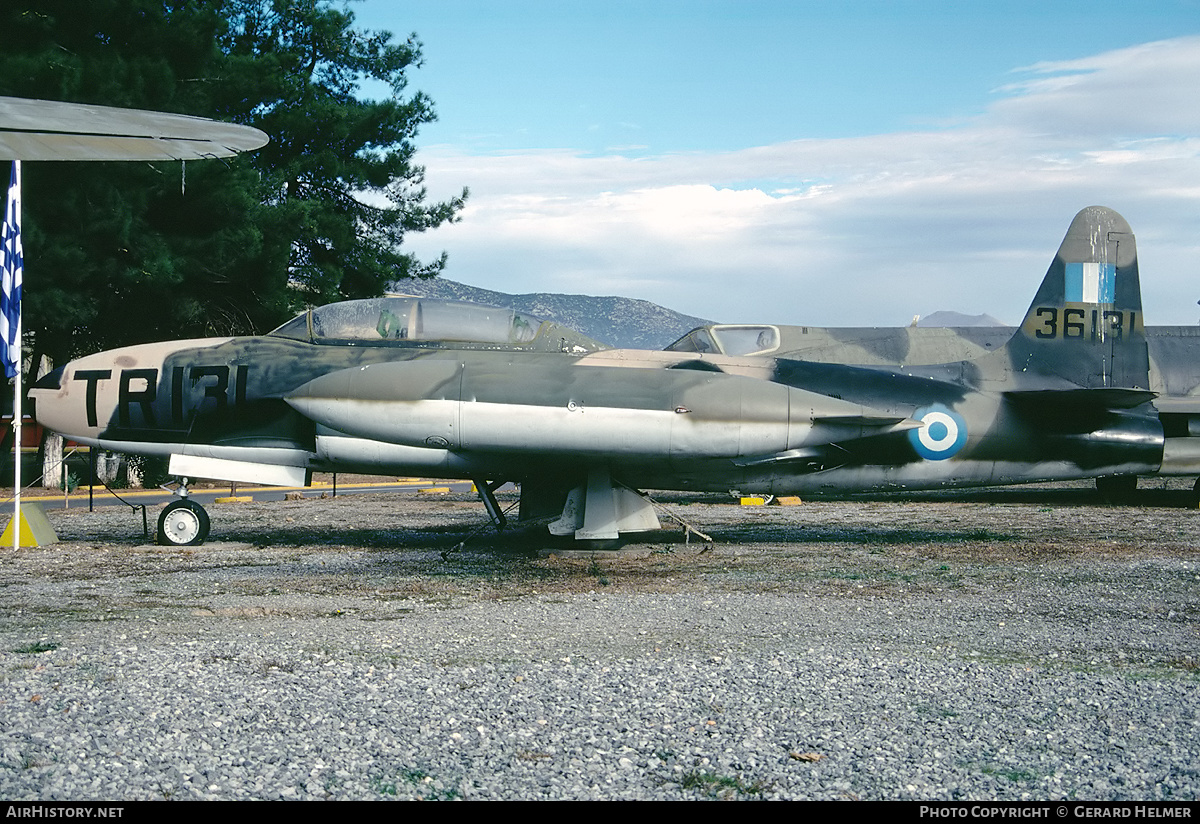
x=729, y=339
x=401, y=320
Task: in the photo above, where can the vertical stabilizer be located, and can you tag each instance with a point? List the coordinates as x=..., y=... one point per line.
x=1085, y=327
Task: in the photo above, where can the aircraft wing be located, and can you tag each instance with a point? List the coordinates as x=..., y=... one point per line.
x=52, y=130
x=1097, y=398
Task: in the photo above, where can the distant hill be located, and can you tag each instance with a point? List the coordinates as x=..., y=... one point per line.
x=958, y=319
x=620, y=322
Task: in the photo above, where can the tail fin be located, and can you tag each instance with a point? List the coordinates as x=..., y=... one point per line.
x=1084, y=328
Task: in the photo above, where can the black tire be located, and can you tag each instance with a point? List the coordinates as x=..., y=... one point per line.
x=1117, y=489
x=182, y=523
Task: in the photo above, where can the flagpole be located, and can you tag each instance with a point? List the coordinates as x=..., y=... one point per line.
x=17, y=384
x=11, y=299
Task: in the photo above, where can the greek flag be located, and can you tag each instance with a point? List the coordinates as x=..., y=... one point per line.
x=1090, y=282
x=11, y=264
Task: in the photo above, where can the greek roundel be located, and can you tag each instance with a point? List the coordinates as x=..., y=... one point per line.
x=942, y=434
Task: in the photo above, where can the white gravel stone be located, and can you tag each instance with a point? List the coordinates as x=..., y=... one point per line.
x=996, y=646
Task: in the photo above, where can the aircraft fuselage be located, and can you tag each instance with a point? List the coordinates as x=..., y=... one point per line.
x=685, y=422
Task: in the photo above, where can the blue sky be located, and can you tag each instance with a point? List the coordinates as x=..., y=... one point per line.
x=824, y=163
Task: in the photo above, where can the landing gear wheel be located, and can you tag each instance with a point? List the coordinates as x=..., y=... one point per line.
x=1117, y=489
x=182, y=523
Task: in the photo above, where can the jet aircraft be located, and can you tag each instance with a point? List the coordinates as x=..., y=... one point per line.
x=1173, y=354
x=411, y=386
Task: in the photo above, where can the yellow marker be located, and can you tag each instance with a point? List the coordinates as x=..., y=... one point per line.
x=33, y=528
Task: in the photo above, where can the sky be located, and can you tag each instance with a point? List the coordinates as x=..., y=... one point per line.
x=828, y=164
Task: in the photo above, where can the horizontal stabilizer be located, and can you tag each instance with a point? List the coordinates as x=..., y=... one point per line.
x=1099, y=398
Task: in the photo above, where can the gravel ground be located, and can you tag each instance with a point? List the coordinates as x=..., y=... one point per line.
x=1012, y=644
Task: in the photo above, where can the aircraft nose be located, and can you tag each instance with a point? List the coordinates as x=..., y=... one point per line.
x=53, y=403
x=51, y=381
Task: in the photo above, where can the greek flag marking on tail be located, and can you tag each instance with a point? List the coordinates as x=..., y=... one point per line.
x=11, y=265
x=1090, y=283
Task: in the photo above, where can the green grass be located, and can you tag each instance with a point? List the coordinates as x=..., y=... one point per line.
x=1013, y=774
x=720, y=786
x=411, y=780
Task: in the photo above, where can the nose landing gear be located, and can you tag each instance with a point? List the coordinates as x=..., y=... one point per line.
x=183, y=522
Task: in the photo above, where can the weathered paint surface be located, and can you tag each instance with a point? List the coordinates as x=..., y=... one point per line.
x=1172, y=356
x=396, y=387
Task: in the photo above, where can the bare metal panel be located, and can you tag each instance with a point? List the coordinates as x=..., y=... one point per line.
x=51, y=130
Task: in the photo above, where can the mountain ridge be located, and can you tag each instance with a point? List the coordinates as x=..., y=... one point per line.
x=625, y=323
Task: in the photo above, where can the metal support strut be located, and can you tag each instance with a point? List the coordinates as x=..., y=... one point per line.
x=487, y=494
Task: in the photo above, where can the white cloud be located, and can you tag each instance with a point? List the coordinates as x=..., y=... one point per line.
x=858, y=231
x=1144, y=89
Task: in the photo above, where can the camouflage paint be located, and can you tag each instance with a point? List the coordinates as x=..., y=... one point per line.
x=1066, y=396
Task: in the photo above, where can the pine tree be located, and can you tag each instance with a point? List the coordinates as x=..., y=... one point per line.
x=121, y=253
